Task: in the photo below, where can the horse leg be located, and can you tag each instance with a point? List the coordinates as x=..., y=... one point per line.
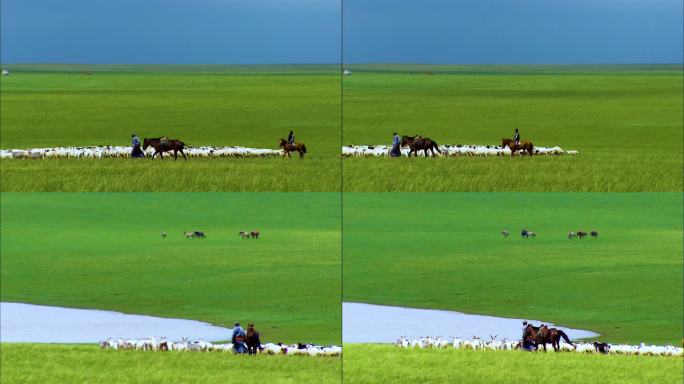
x=183, y=153
x=301, y=155
x=175, y=155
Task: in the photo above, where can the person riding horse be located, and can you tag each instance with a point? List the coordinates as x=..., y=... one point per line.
x=516, y=137
x=291, y=139
x=136, y=151
x=238, y=339
x=395, y=152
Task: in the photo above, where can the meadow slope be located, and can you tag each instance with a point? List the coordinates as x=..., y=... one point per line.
x=446, y=251
x=104, y=251
x=46, y=106
x=625, y=121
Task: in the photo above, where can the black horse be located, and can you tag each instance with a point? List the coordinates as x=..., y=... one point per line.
x=166, y=146
x=200, y=235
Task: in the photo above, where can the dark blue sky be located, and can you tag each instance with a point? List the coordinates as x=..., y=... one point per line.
x=170, y=31
x=513, y=31
x=308, y=31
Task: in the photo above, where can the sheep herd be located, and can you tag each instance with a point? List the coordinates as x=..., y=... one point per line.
x=448, y=150
x=510, y=345
x=110, y=151
x=164, y=345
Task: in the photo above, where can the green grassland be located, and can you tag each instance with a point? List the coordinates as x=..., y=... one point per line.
x=388, y=364
x=104, y=251
x=625, y=121
x=47, y=364
x=446, y=251
x=45, y=105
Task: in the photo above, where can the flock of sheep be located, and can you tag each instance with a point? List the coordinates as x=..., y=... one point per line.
x=509, y=345
x=123, y=152
x=448, y=150
x=163, y=345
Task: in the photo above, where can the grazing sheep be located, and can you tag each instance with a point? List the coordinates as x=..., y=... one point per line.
x=189, y=235
x=244, y=235
x=163, y=235
x=505, y=233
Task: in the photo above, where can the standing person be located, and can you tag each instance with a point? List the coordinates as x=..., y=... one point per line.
x=136, y=151
x=238, y=339
x=516, y=137
x=395, y=152
x=291, y=139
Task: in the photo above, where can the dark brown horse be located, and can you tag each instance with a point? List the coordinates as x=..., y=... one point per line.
x=544, y=335
x=168, y=145
x=581, y=234
x=296, y=147
x=252, y=340
x=254, y=234
x=525, y=146
x=417, y=143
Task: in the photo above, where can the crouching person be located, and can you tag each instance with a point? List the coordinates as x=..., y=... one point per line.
x=238, y=339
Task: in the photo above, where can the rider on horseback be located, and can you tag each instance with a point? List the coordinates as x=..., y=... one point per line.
x=291, y=139
x=516, y=137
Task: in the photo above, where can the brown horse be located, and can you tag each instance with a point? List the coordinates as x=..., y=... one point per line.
x=525, y=146
x=254, y=234
x=417, y=143
x=252, y=340
x=296, y=147
x=544, y=335
x=169, y=145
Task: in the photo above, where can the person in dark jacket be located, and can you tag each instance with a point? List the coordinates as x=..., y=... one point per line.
x=291, y=138
x=516, y=137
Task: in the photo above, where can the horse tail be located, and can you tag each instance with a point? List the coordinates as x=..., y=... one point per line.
x=303, y=148
x=565, y=337
x=435, y=146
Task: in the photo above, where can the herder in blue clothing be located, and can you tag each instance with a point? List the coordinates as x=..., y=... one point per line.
x=136, y=151
x=238, y=339
x=395, y=152
x=516, y=137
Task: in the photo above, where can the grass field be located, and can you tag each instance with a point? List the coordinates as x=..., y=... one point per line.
x=446, y=251
x=47, y=364
x=46, y=105
x=104, y=251
x=625, y=121
x=207, y=175
x=388, y=364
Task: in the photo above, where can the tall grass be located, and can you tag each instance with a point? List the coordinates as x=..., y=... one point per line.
x=388, y=364
x=48, y=364
x=317, y=174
